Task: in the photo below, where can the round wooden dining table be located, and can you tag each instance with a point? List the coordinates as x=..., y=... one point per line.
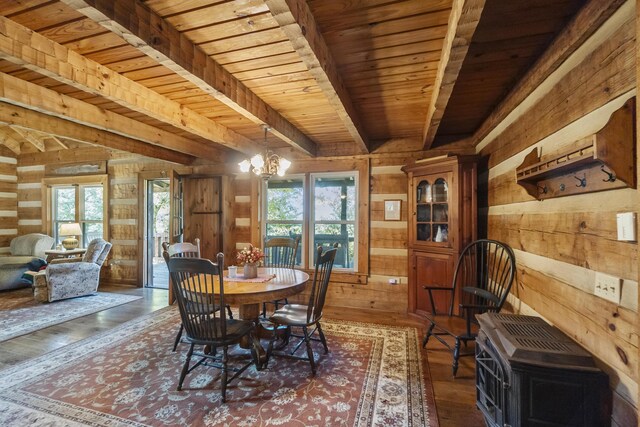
x=249, y=295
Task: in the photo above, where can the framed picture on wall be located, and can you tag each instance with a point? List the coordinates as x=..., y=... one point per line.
x=392, y=210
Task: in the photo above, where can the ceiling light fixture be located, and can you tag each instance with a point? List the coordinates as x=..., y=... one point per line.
x=265, y=165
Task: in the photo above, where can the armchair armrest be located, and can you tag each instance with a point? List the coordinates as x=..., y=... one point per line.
x=65, y=260
x=430, y=289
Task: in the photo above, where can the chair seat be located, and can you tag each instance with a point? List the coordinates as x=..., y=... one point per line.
x=453, y=325
x=291, y=315
x=236, y=329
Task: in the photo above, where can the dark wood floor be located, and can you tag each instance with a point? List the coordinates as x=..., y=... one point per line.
x=455, y=398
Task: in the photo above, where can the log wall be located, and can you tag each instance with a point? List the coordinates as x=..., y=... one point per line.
x=561, y=243
x=8, y=198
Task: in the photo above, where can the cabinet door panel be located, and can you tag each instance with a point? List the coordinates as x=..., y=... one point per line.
x=434, y=270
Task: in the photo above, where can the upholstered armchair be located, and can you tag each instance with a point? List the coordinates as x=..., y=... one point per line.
x=69, y=278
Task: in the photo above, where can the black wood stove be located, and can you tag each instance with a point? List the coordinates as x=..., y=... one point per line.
x=529, y=373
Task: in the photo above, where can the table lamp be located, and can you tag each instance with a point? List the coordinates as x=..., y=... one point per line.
x=71, y=230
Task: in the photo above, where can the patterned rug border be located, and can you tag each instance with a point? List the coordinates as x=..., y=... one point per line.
x=29, y=370
x=119, y=299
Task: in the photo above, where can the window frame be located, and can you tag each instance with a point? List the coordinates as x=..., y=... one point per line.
x=312, y=222
x=78, y=183
x=355, y=165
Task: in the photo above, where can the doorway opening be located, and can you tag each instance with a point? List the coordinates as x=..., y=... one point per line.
x=158, y=198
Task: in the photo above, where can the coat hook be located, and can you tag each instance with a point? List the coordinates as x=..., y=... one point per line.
x=542, y=190
x=611, y=177
x=583, y=181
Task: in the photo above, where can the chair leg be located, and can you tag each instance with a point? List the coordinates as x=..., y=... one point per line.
x=175, y=344
x=264, y=310
x=322, y=338
x=229, y=313
x=307, y=340
x=224, y=373
x=456, y=356
x=185, y=367
x=428, y=335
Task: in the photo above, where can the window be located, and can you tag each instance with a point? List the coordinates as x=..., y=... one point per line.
x=285, y=210
x=330, y=219
x=333, y=215
x=83, y=203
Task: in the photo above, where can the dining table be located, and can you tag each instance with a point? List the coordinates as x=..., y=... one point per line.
x=272, y=283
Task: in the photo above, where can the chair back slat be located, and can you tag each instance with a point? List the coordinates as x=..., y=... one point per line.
x=193, y=281
x=485, y=271
x=324, y=265
x=183, y=249
x=281, y=252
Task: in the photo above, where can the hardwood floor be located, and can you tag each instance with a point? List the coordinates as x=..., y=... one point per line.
x=455, y=398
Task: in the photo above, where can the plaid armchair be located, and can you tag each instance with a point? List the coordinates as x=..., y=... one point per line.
x=69, y=278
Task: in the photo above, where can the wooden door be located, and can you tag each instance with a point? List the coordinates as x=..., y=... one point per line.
x=203, y=214
x=176, y=228
x=433, y=269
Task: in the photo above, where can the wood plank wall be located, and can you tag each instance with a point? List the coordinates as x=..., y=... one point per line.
x=8, y=198
x=561, y=243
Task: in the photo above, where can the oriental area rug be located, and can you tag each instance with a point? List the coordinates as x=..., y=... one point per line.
x=373, y=375
x=20, y=314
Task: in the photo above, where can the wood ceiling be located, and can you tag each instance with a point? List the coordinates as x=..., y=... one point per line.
x=195, y=79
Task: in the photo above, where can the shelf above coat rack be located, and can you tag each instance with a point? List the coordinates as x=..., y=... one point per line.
x=602, y=161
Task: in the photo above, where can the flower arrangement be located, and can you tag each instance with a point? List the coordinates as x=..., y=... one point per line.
x=249, y=255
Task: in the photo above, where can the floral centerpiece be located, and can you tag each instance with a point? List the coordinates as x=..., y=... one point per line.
x=250, y=257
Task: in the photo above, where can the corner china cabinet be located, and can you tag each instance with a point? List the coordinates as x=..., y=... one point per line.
x=442, y=221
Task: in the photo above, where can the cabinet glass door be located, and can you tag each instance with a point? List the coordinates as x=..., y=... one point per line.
x=432, y=210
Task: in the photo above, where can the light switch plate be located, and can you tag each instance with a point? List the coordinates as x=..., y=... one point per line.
x=626, y=226
x=608, y=287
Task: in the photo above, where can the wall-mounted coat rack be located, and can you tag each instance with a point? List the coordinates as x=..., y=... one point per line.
x=602, y=161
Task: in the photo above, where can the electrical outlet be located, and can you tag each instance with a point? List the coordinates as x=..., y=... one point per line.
x=608, y=287
x=394, y=281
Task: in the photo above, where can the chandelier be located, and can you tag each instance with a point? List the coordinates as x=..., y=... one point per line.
x=267, y=164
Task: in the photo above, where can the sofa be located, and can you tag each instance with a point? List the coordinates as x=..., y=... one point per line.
x=72, y=277
x=27, y=253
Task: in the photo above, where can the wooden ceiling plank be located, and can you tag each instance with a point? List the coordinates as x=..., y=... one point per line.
x=8, y=140
x=588, y=19
x=28, y=95
x=33, y=51
x=297, y=22
x=157, y=38
x=23, y=118
x=464, y=19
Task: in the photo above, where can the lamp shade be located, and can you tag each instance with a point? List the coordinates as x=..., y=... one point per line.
x=72, y=229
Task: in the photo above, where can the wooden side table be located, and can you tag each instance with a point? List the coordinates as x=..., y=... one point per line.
x=73, y=253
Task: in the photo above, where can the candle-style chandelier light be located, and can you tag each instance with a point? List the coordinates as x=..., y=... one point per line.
x=267, y=164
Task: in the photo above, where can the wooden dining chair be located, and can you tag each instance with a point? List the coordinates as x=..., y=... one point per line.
x=280, y=252
x=204, y=323
x=184, y=250
x=304, y=316
x=483, y=277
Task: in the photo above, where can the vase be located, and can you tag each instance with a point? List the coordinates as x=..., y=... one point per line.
x=251, y=271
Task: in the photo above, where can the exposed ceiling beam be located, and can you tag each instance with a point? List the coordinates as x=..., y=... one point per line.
x=588, y=19
x=154, y=36
x=29, y=95
x=463, y=21
x=8, y=140
x=15, y=116
x=31, y=137
x=299, y=25
x=31, y=50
